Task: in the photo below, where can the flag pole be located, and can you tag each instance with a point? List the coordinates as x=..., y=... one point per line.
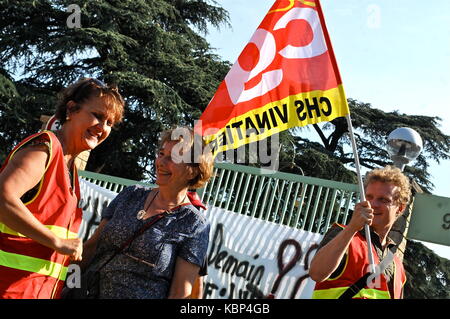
x=352, y=138
x=361, y=191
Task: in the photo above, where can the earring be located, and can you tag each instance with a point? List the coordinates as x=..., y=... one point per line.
x=67, y=118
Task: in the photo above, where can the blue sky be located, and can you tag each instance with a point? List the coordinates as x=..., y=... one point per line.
x=392, y=54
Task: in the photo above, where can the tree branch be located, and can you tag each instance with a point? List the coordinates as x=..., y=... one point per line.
x=322, y=136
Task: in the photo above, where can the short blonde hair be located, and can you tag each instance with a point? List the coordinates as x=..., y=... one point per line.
x=199, y=154
x=391, y=175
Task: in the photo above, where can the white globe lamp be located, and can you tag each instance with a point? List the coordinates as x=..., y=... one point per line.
x=404, y=145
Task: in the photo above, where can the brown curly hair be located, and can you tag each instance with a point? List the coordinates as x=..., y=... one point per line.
x=391, y=175
x=83, y=90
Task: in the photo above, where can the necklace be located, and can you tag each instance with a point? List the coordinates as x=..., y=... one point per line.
x=141, y=214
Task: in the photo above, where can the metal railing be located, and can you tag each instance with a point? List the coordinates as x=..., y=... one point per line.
x=114, y=184
x=302, y=202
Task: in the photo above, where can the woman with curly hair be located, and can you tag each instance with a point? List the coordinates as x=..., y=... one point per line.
x=39, y=192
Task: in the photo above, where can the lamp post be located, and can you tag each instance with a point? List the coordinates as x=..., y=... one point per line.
x=404, y=145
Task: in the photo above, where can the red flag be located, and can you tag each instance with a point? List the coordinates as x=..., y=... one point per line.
x=286, y=76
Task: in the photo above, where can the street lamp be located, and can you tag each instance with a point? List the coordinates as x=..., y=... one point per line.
x=404, y=145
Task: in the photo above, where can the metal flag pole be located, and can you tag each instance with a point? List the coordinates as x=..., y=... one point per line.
x=362, y=192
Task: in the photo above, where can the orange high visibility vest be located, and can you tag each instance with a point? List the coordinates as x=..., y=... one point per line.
x=356, y=265
x=28, y=269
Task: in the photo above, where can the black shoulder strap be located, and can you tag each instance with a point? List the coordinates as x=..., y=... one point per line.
x=356, y=287
x=136, y=234
x=360, y=283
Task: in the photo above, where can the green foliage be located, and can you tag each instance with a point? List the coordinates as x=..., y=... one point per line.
x=374, y=126
x=428, y=274
x=154, y=51
x=310, y=158
x=20, y=110
x=151, y=49
x=332, y=158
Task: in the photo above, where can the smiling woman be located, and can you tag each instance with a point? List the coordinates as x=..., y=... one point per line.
x=39, y=192
x=187, y=148
x=165, y=260
x=87, y=110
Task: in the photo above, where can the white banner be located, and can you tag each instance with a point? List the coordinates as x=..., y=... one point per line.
x=250, y=258
x=247, y=257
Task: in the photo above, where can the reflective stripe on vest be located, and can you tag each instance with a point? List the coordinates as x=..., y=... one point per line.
x=355, y=266
x=335, y=293
x=31, y=264
x=61, y=216
x=59, y=231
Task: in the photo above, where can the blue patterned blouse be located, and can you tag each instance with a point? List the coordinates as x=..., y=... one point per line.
x=145, y=269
